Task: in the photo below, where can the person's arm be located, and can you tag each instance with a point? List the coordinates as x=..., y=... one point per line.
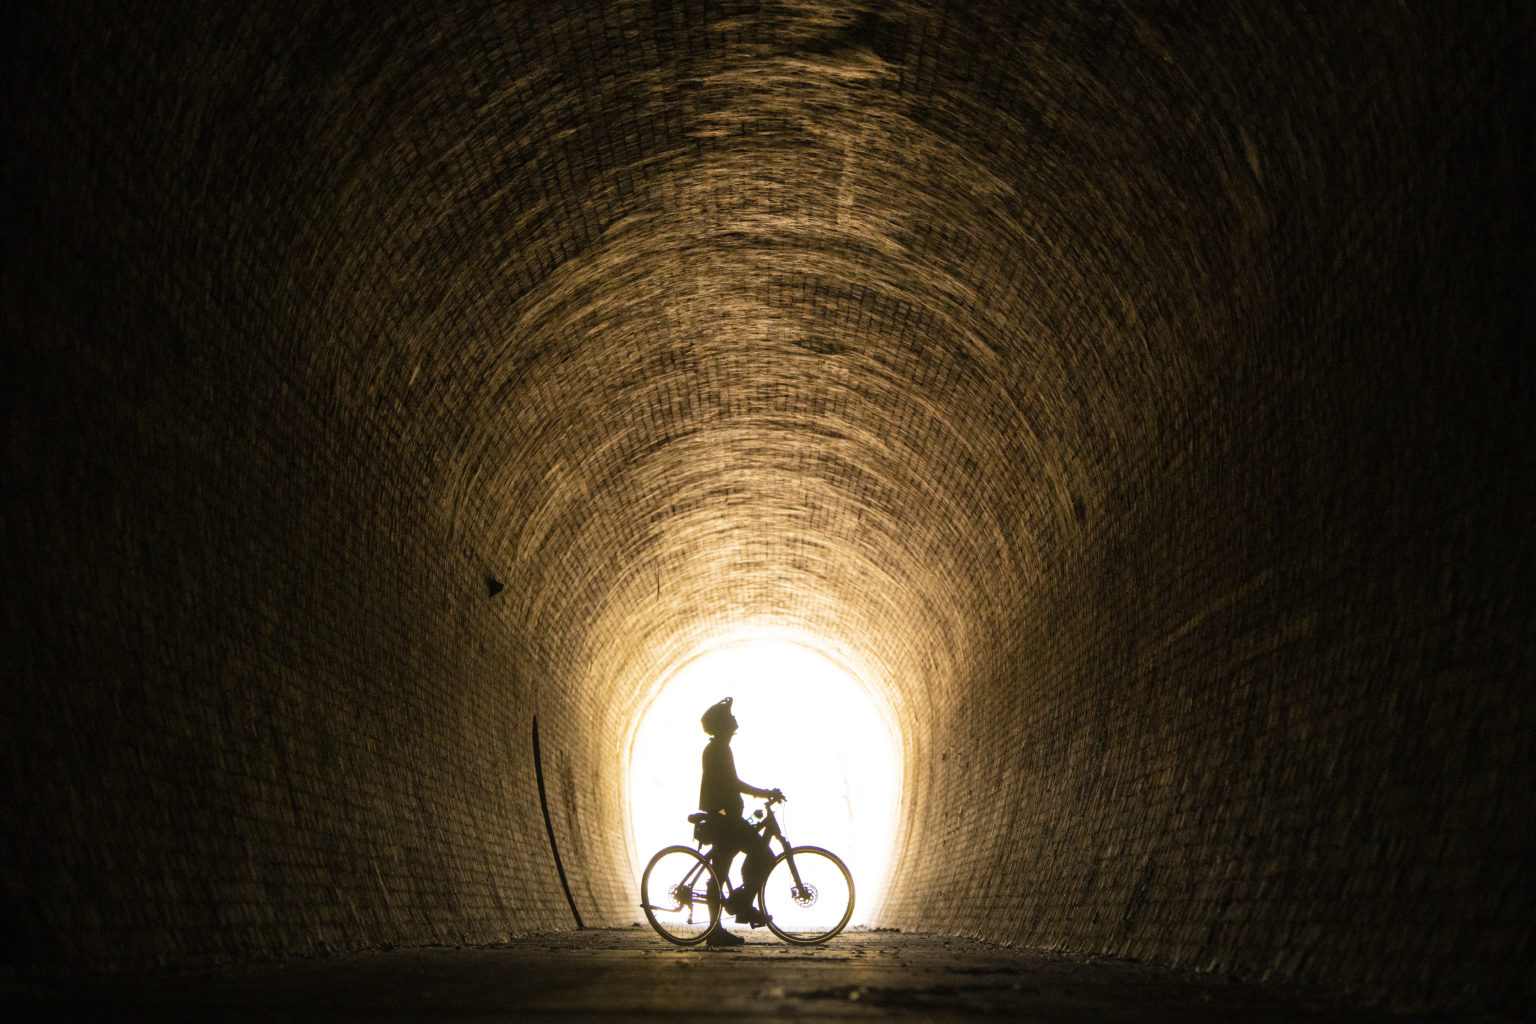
x=747, y=787
x=755, y=791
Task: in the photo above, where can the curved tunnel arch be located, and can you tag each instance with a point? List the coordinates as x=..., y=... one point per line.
x=1077, y=369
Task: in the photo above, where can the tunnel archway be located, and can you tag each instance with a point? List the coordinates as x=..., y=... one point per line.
x=1141, y=394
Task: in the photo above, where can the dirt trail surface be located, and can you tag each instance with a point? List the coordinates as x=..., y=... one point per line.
x=630, y=974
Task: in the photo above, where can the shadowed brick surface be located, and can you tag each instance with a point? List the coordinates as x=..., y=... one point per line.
x=1137, y=398
x=630, y=974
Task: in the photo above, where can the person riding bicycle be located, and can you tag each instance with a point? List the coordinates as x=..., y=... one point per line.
x=729, y=833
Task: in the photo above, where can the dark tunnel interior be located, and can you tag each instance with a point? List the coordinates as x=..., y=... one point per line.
x=1139, y=395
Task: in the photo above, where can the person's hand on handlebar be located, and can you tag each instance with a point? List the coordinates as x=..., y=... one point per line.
x=776, y=796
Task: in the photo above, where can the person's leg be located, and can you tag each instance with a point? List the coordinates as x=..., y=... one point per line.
x=731, y=837
x=724, y=851
x=722, y=854
x=754, y=869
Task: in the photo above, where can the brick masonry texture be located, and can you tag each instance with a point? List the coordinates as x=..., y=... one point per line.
x=1140, y=397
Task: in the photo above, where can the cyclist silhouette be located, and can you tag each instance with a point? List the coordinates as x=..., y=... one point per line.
x=720, y=797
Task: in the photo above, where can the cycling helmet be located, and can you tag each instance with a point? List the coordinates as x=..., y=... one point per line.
x=717, y=718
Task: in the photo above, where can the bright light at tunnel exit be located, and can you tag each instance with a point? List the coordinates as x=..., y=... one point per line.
x=806, y=726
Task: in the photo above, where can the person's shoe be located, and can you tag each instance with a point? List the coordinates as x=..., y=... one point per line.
x=752, y=916
x=720, y=937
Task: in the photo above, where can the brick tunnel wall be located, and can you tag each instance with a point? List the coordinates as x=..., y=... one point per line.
x=1142, y=397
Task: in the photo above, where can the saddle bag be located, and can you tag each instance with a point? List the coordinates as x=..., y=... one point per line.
x=705, y=826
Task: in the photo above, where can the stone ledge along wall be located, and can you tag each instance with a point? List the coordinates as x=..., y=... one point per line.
x=1140, y=396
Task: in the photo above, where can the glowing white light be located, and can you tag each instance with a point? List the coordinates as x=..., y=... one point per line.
x=807, y=727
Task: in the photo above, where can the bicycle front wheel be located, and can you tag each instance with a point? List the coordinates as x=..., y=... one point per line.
x=680, y=895
x=808, y=895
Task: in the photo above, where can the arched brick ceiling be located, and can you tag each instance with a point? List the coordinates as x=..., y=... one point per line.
x=829, y=318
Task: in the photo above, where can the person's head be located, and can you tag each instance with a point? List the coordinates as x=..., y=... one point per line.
x=718, y=720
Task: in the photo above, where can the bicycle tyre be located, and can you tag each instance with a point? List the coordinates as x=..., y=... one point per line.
x=670, y=913
x=818, y=906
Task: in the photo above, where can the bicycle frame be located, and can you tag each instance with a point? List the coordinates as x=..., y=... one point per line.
x=800, y=877
x=686, y=893
x=769, y=829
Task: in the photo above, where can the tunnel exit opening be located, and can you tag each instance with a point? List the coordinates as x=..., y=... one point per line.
x=808, y=726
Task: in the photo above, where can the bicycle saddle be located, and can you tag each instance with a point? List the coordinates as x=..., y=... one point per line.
x=698, y=816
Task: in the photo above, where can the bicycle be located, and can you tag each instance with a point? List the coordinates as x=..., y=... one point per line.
x=807, y=895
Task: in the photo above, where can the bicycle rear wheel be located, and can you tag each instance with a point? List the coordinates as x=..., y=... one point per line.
x=808, y=895
x=680, y=895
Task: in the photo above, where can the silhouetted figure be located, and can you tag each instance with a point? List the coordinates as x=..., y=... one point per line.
x=720, y=796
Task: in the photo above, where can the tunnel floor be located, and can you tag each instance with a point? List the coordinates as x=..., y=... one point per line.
x=629, y=974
